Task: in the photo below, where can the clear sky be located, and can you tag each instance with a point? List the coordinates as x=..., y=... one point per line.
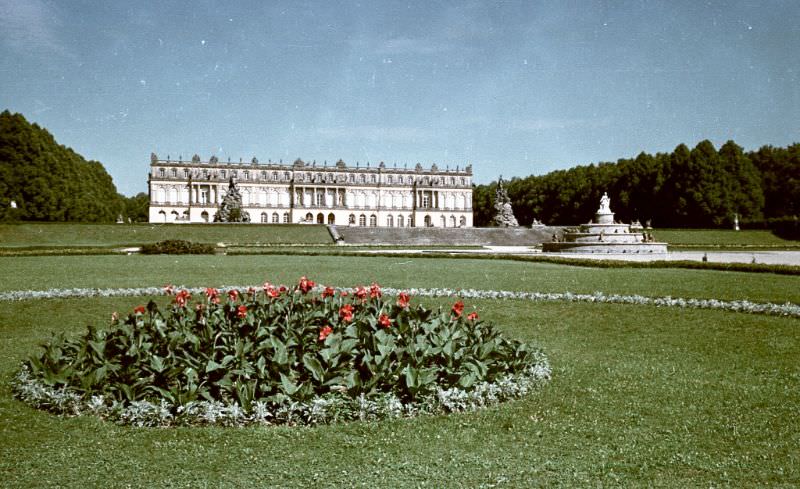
x=513, y=88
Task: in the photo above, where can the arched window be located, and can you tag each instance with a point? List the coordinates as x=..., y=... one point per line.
x=264, y=218
x=428, y=222
x=275, y=218
x=162, y=216
x=462, y=222
x=400, y=222
x=173, y=215
x=453, y=221
x=331, y=218
x=286, y=218
x=320, y=218
x=362, y=220
x=444, y=221
x=309, y=217
x=373, y=220
x=351, y=219
x=390, y=221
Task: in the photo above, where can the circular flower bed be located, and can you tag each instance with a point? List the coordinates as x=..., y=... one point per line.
x=306, y=354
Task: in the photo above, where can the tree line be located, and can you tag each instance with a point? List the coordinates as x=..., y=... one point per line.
x=41, y=180
x=699, y=187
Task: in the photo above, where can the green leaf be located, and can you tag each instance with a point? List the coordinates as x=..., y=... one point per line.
x=313, y=366
x=212, y=366
x=288, y=386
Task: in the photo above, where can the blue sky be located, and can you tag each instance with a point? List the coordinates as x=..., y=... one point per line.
x=513, y=88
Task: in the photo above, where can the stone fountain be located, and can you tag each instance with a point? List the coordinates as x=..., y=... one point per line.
x=604, y=235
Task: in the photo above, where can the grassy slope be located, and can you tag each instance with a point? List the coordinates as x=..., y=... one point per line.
x=61, y=235
x=40, y=273
x=721, y=238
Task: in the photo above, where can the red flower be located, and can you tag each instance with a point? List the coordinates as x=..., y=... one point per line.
x=361, y=292
x=305, y=284
x=403, y=299
x=282, y=289
x=324, y=332
x=472, y=316
x=233, y=294
x=458, y=308
x=212, y=295
x=374, y=291
x=169, y=289
x=346, y=313
x=344, y=293
x=384, y=321
x=139, y=310
x=328, y=292
x=182, y=297
x=251, y=292
x=241, y=311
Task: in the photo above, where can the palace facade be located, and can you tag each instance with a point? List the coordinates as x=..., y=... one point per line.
x=190, y=192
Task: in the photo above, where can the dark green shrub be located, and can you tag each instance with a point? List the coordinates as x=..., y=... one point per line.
x=786, y=227
x=177, y=247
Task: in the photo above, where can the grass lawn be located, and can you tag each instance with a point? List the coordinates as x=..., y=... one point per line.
x=66, y=234
x=40, y=273
x=723, y=238
x=640, y=396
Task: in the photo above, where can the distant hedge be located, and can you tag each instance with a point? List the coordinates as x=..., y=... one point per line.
x=785, y=227
x=177, y=247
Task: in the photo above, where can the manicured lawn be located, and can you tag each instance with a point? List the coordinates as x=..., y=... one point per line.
x=640, y=396
x=63, y=235
x=40, y=273
x=715, y=238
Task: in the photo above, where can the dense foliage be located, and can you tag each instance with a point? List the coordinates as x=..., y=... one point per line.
x=280, y=346
x=48, y=181
x=177, y=247
x=701, y=187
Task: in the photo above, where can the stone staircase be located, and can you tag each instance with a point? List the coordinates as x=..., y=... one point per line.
x=444, y=236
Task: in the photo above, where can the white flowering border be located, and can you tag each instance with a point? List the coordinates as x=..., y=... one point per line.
x=332, y=408
x=745, y=306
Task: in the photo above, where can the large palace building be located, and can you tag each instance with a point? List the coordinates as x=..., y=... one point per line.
x=191, y=192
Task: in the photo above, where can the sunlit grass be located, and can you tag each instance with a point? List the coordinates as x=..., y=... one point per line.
x=640, y=396
x=39, y=273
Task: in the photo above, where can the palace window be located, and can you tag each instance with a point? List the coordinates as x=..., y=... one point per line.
x=351, y=178
x=205, y=173
x=389, y=179
x=426, y=201
x=287, y=176
x=222, y=173
x=362, y=178
x=263, y=175
x=362, y=220
x=246, y=175
x=390, y=221
x=373, y=178
x=319, y=177
x=463, y=181
x=452, y=180
x=286, y=218
x=161, y=172
x=351, y=219
x=275, y=176
x=174, y=172
x=264, y=217
x=400, y=221
x=320, y=199
x=275, y=218
x=373, y=220
x=234, y=174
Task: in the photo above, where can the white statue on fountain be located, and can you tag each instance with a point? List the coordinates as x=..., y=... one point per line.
x=605, y=204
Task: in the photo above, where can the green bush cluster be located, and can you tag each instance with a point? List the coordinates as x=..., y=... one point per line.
x=177, y=247
x=281, y=346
